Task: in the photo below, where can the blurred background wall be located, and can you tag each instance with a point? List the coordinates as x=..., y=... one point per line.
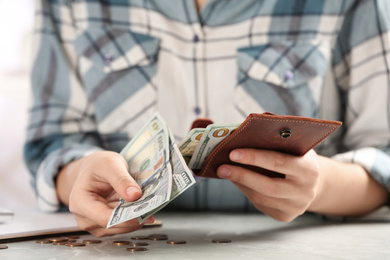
x=16, y=28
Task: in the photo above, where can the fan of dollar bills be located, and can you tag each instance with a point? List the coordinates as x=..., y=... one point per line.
x=159, y=165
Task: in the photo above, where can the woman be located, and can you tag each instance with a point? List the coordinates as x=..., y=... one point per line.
x=101, y=70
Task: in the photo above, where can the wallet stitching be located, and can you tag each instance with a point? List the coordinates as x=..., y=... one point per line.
x=270, y=119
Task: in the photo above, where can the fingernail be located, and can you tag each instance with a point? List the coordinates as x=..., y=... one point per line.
x=223, y=172
x=236, y=155
x=132, y=190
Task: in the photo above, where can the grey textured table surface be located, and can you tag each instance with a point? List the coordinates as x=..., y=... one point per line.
x=254, y=236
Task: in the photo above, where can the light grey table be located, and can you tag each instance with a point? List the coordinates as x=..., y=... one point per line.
x=254, y=236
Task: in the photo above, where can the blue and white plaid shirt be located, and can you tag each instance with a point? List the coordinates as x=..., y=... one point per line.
x=102, y=68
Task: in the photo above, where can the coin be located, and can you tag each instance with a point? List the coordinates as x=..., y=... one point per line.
x=74, y=244
x=58, y=239
x=136, y=249
x=220, y=241
x=140, y=237
x=176, y=242
x=43, y=241
x=157, y=237
x=138, y=244
x=121, y=243
x=3, y=247
x=92, y=241
x=156, y=223
x=71, y=240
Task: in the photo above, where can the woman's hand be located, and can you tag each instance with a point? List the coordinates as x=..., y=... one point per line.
x=282, y=199
x=91, y=187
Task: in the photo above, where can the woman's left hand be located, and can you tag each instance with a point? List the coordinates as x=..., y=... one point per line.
x=282, y=199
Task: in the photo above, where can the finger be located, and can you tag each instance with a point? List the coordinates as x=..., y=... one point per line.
x=262, y=200
x=114, y=171
x=98, y=230
x=282, y=204
x=280, y=209
x=287, y=164
x=90, y=190
x=123, y=183
x=271, y=187
x=88, y=219
x=278, y=214
x=102, y=231
x=88, y=204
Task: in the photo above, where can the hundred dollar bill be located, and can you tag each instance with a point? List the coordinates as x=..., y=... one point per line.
x=149, y=165
x=212, y=136
x=155, y=124
x=188, y=145
x=182, y=178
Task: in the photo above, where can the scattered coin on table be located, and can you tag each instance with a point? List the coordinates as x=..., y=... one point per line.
x=140, y=237
x=43, y=241
x=158, y=237
x=136, y=249
x=3, y=247
x=92, y=241
x=74, y=244
x=121, y=243
x=58, y=239
x=176, y=242
x=156, y=223
x=220, y=241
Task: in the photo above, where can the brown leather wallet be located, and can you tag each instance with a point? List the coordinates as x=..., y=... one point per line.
x=288, y=134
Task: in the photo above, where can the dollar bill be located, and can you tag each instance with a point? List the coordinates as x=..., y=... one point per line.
x=148, y=157
x=188, y=145
x=159, y=165
x=212, y=136
x=182, y=178
x=155, y=124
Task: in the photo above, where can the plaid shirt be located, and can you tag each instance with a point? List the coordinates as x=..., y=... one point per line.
x=102, y=68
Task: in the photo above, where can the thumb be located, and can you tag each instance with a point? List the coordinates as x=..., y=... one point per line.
x=132, y=193
x=121, y=181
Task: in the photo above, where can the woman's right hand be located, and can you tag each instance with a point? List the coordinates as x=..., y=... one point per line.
x=92, y=186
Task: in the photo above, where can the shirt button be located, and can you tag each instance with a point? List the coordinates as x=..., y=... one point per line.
x=197, y=111
x=108, y=58
x=288, y=75
x=196, y=38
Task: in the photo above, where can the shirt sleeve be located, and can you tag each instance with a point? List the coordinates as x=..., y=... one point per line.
x=61, y=120
x=362, y=72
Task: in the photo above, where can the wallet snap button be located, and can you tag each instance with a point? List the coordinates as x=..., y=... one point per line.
x=286, y=133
